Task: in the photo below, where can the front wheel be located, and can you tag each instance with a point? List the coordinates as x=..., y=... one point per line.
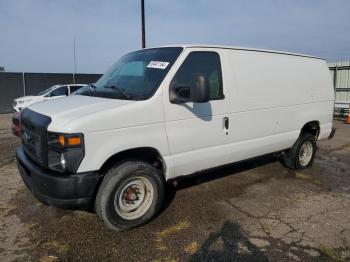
x=302, y=154
x=130, y=195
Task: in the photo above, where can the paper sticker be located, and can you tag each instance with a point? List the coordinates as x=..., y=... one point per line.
x=158, y=64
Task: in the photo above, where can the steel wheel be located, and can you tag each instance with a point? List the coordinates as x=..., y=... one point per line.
x=305, y=153
x=134, y=198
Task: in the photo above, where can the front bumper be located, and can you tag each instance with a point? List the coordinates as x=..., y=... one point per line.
x=67, y=191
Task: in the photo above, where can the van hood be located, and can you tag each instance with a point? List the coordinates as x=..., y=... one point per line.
x=68, y=108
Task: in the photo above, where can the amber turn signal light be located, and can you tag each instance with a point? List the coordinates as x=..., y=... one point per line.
x=70, y=141
x=73, y=141
x=61, y=140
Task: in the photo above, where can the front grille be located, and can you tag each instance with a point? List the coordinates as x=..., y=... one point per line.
x=14, y=103
x=34, y=136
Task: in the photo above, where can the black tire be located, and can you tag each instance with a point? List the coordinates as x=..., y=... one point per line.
x=112, y=195
x=291, y=158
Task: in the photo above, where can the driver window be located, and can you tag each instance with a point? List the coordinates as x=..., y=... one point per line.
x=61, y=91
x=203, y=63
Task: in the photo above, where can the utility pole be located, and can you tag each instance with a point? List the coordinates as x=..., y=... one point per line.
x=75, y=60
x=143, y=23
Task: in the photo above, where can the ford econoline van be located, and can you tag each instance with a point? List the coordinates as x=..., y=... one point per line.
x=161, y=113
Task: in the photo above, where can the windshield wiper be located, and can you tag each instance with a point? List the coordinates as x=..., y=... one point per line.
x=120, y=91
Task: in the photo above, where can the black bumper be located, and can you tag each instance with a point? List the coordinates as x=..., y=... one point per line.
x=67, y=191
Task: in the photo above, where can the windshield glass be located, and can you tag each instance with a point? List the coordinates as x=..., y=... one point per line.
x=46, y=90
x=135, y=76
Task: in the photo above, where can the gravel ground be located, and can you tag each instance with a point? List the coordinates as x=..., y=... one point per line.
x=251, y=211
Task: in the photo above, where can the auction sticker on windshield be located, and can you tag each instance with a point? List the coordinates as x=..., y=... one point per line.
x=158, y=64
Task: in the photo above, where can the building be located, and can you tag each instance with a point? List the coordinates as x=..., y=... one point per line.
x=340, y=72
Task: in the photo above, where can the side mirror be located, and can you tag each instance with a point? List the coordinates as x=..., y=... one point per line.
x=198, y=92
x=180, y=94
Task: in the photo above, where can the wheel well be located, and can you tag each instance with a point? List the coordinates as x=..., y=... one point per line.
x=147, y=154
x=312, y=127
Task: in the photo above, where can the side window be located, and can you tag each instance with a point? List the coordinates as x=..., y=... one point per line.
x=204, y=63
x=61, y=91
x=74, y=88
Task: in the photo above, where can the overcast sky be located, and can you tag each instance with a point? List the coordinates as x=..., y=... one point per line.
x=37, y=35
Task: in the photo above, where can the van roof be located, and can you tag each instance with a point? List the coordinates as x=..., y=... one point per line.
x=243, y=48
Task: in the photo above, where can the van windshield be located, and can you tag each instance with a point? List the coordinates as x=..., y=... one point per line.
x=135, y=76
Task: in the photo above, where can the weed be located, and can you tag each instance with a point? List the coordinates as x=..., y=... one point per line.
x=182, y=225
x=192, y=248
x=330, y=253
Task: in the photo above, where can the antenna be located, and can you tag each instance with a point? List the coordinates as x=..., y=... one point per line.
x=143, y=23
x=75, y=60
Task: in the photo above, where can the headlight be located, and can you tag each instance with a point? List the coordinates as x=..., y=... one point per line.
x=65, y=151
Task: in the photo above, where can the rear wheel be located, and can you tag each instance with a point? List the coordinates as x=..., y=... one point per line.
x=302, y=154
x=130, y=195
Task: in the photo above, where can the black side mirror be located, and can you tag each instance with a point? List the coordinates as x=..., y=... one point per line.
x=200, y=89
x=180, y=94
x=198, y=92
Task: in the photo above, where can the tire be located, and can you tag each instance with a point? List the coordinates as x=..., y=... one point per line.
x=302, y=154
x=131, y=194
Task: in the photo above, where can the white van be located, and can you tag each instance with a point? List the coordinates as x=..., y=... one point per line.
x=161, y=113
x=52, y=92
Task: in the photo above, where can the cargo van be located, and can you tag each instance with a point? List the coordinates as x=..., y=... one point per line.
x=161, y=113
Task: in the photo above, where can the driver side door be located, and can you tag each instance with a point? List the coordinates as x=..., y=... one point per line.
x=198, y=132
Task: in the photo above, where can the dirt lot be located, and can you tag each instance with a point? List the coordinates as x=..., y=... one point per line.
x=250, y=211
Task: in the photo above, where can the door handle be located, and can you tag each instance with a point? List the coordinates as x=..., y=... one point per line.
x=226, y=123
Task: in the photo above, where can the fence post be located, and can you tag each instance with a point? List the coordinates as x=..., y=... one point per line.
x=335, y=77
x=24, y=84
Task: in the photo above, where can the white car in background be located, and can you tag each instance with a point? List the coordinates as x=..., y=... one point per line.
x=53, y=92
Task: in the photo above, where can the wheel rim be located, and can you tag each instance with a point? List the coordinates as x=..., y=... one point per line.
x=305, y=153
x=134, y=198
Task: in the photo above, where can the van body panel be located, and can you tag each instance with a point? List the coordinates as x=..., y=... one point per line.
x=76, y=108
x=274, y=97
x=269, y=97
x=196, y=135
x=135, y=125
